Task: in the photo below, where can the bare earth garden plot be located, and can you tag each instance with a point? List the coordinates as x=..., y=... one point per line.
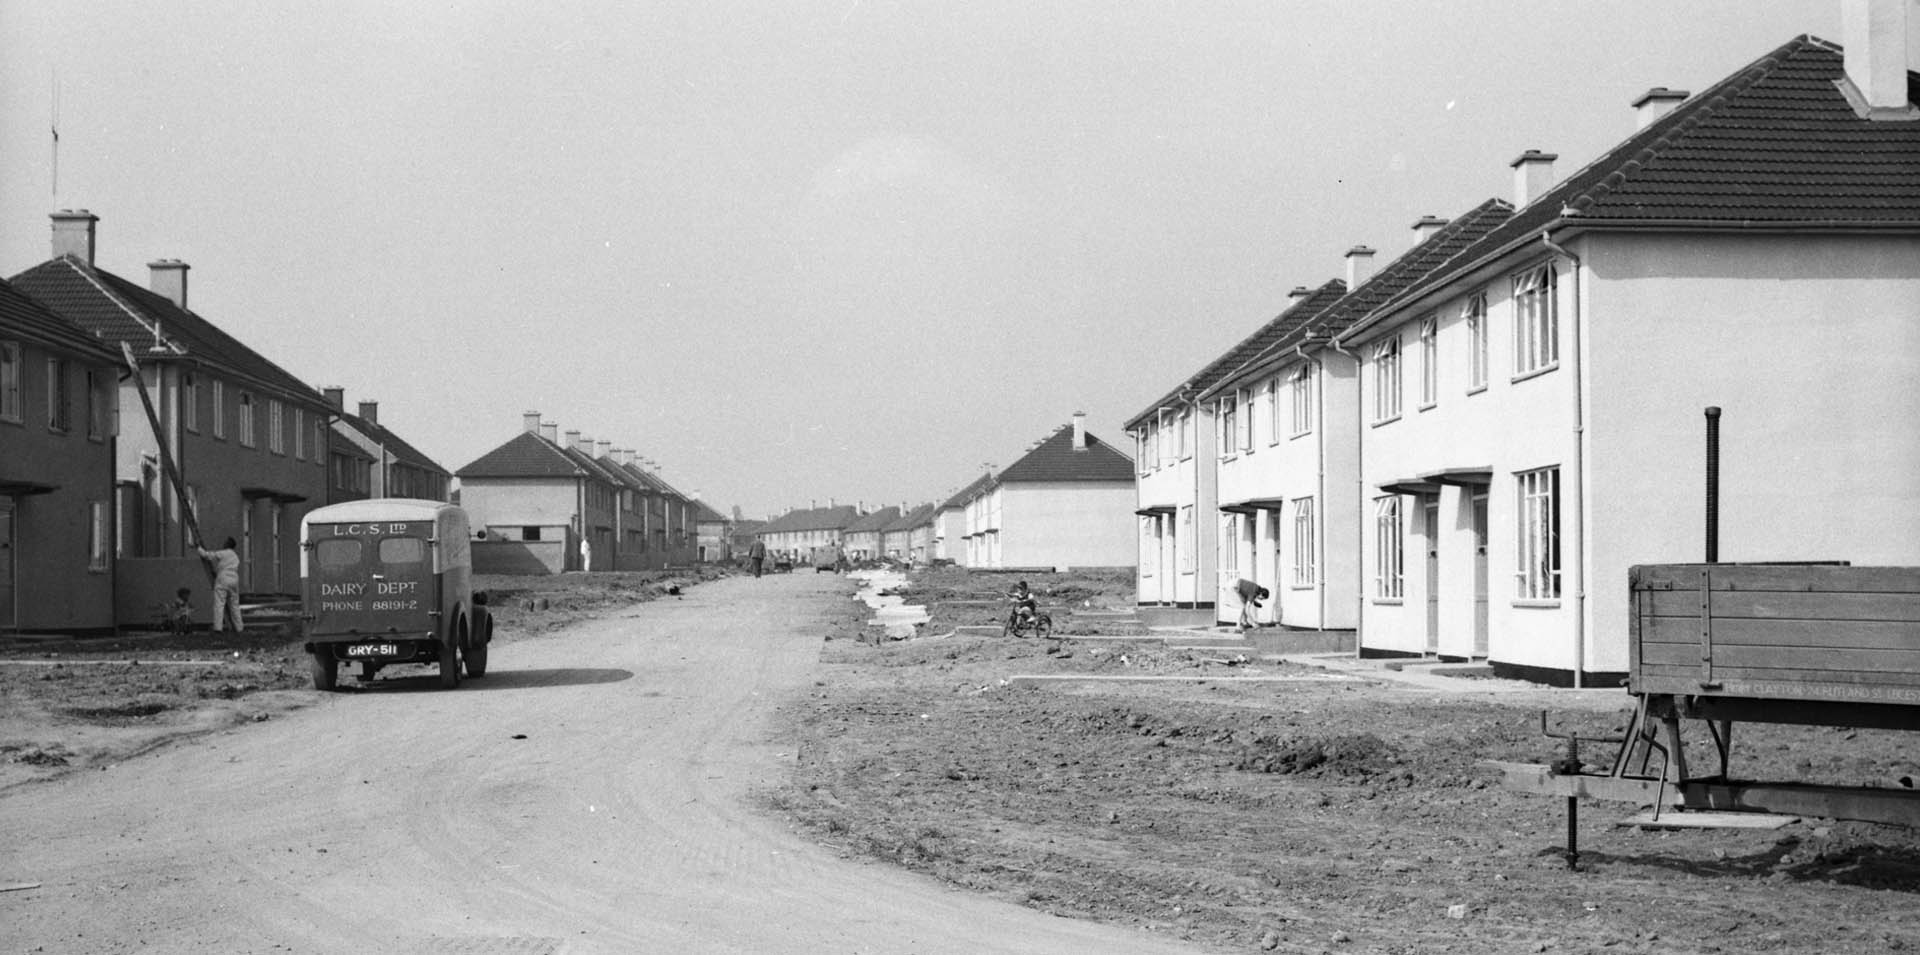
x=1332, y=814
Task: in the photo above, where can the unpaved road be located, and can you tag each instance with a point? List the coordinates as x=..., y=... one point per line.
x=407, y=819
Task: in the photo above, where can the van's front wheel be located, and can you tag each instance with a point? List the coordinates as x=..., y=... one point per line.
x=449, y=663
x=326, y=670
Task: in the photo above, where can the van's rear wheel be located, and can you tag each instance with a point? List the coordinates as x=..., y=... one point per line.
x=482, y=634
x=326, y=670
x=449, y=663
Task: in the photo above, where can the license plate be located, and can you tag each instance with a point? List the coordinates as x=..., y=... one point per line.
x=373, y=650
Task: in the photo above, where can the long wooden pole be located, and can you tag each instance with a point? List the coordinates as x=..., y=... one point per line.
x=188, y=517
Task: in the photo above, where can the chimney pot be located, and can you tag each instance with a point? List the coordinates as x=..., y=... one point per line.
x=336, y=397
x=1655, y=103
x=370, y=410
x=1532, y=176
x=1079, y=431
x=1881, y=38
x=73, y=234
x=606, y=447
x=550, y=431
x=168, y=277
x=1359, y=265
x=1426, y=227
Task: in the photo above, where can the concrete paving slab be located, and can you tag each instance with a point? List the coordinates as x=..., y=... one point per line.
x=1673, y=819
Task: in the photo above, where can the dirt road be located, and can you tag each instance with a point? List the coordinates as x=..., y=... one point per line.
x=590, y=795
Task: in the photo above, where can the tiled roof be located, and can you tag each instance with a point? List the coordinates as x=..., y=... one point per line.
x=920, y=515
x=118, y=310
x=1056, y=459
x=705, y=514
x=812, y=519
x=1775, y=145
x=525, y=455
x=595, y=469
x=876, y=521
x=341, y=446
x=22, y=316
x=1287, y=321
x=402, y=451
x=965, y=494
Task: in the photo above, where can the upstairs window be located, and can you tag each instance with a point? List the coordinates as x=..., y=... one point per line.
x=1244, y=436
x=1229, y=424
x=99, y=406
x=59, y=396
x=220, y=410
x=276, y=427
x=1429, y=361
x=1184, y=429
x=245, y=421
x=190, y=403
x=299, y=434
x=1536, y=321
x=1302, y=383
x=1386, y=380
x=1275, y=420
x=1476, y=341
x=10, y=381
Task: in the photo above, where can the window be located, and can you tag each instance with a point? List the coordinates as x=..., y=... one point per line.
x=1163, y=445
x=1536, y=323
x=299, y=434
x=1186, y=534
x=1303, y=399
x=1229, y=424
x=402, y=550
x=320, y=441
x=1245, y=435
x=1389, y=557
x=59, y=396
x=1386, y=380
x=10, y=381
x=1476, y=342
x=1429, y=361
x=1303, y=548
x=1230, y=547
x=334, y=553
x=190, y=403
x=98, y=406
x=1274, y=417
x=220, y=410
x=245, y=422
x=1539, y=545
x=529, y=533
x=1140, y=461
x=1185, y=428
x=276, y=427
x=97, y=537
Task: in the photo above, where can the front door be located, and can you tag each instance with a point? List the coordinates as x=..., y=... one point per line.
x=1430, y=511
x=1480, y=575
x=246, y=545
x=6, y=564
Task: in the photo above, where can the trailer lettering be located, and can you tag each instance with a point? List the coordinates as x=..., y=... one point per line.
x=396, y=605
x=339, y=606
x=397, y=586
x=342, y=590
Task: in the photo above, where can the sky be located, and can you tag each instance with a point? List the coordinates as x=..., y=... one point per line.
x=796, y=251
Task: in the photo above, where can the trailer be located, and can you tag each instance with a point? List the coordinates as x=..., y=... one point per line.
x=1714, y=645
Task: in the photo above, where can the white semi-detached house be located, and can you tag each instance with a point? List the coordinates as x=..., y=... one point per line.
x=1178, y=442
x=1064, y=503
x=1288, y=454
x=1532, y=413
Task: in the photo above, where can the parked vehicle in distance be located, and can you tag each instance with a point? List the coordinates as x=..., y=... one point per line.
x=390, y=581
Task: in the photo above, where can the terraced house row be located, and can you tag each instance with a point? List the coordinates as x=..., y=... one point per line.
x=1460, y=453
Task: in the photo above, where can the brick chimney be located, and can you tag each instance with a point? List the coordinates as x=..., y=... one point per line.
x=1655, y=103
x=1426, y=227
x=1532, y=176
x=551, y=432
x=1359, y=265
x=606, y=449
x=336, y=397
x=73, y=234
x=530, y=422
x=1880, y=39
x=370, y=410
x=168, y=277
x=1079, y=431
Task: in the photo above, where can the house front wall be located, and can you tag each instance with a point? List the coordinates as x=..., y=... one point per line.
x=507, y=506
x=56, y=567
x=1459, y=591
x=1176, y=478
x=950, y=535
x=1811, y=349
x=1066, y=524
x=1280, y=461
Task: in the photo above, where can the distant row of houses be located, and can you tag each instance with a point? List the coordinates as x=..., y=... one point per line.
x=93, y=533
x=1460, y=453
x=1063, y=503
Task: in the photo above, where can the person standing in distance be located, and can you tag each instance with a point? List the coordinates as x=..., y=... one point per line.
x=758, y=555
x=226, y=584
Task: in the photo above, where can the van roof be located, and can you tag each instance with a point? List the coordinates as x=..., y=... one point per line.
x=378, y=509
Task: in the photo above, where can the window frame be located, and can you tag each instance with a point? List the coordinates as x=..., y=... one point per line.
x=1429, y=361
x=99, y=537
x=1305, y=549
x=12, y=373
x=1475, y=312
x=219, y=410
x=59, y=395
x=1390, y=550
x=190, y=402
x=1303, y=399
x=1227, y=423
x=243, y=421
x=1539, y=572
x=276, y=426
x=1386, y=379
x=1536, y=321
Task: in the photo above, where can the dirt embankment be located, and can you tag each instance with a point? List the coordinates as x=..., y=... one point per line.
x=1323, y=814
x=68, y=704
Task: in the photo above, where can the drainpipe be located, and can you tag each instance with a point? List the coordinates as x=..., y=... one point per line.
x=1359, y=490
x=1579, y=474
x=1320, y=483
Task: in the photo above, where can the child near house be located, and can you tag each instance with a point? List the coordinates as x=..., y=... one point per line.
x=179, y=611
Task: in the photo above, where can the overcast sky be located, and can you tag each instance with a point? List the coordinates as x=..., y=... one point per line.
x=795, y=250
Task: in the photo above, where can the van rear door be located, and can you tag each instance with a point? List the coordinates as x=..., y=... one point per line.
x=371, y=578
